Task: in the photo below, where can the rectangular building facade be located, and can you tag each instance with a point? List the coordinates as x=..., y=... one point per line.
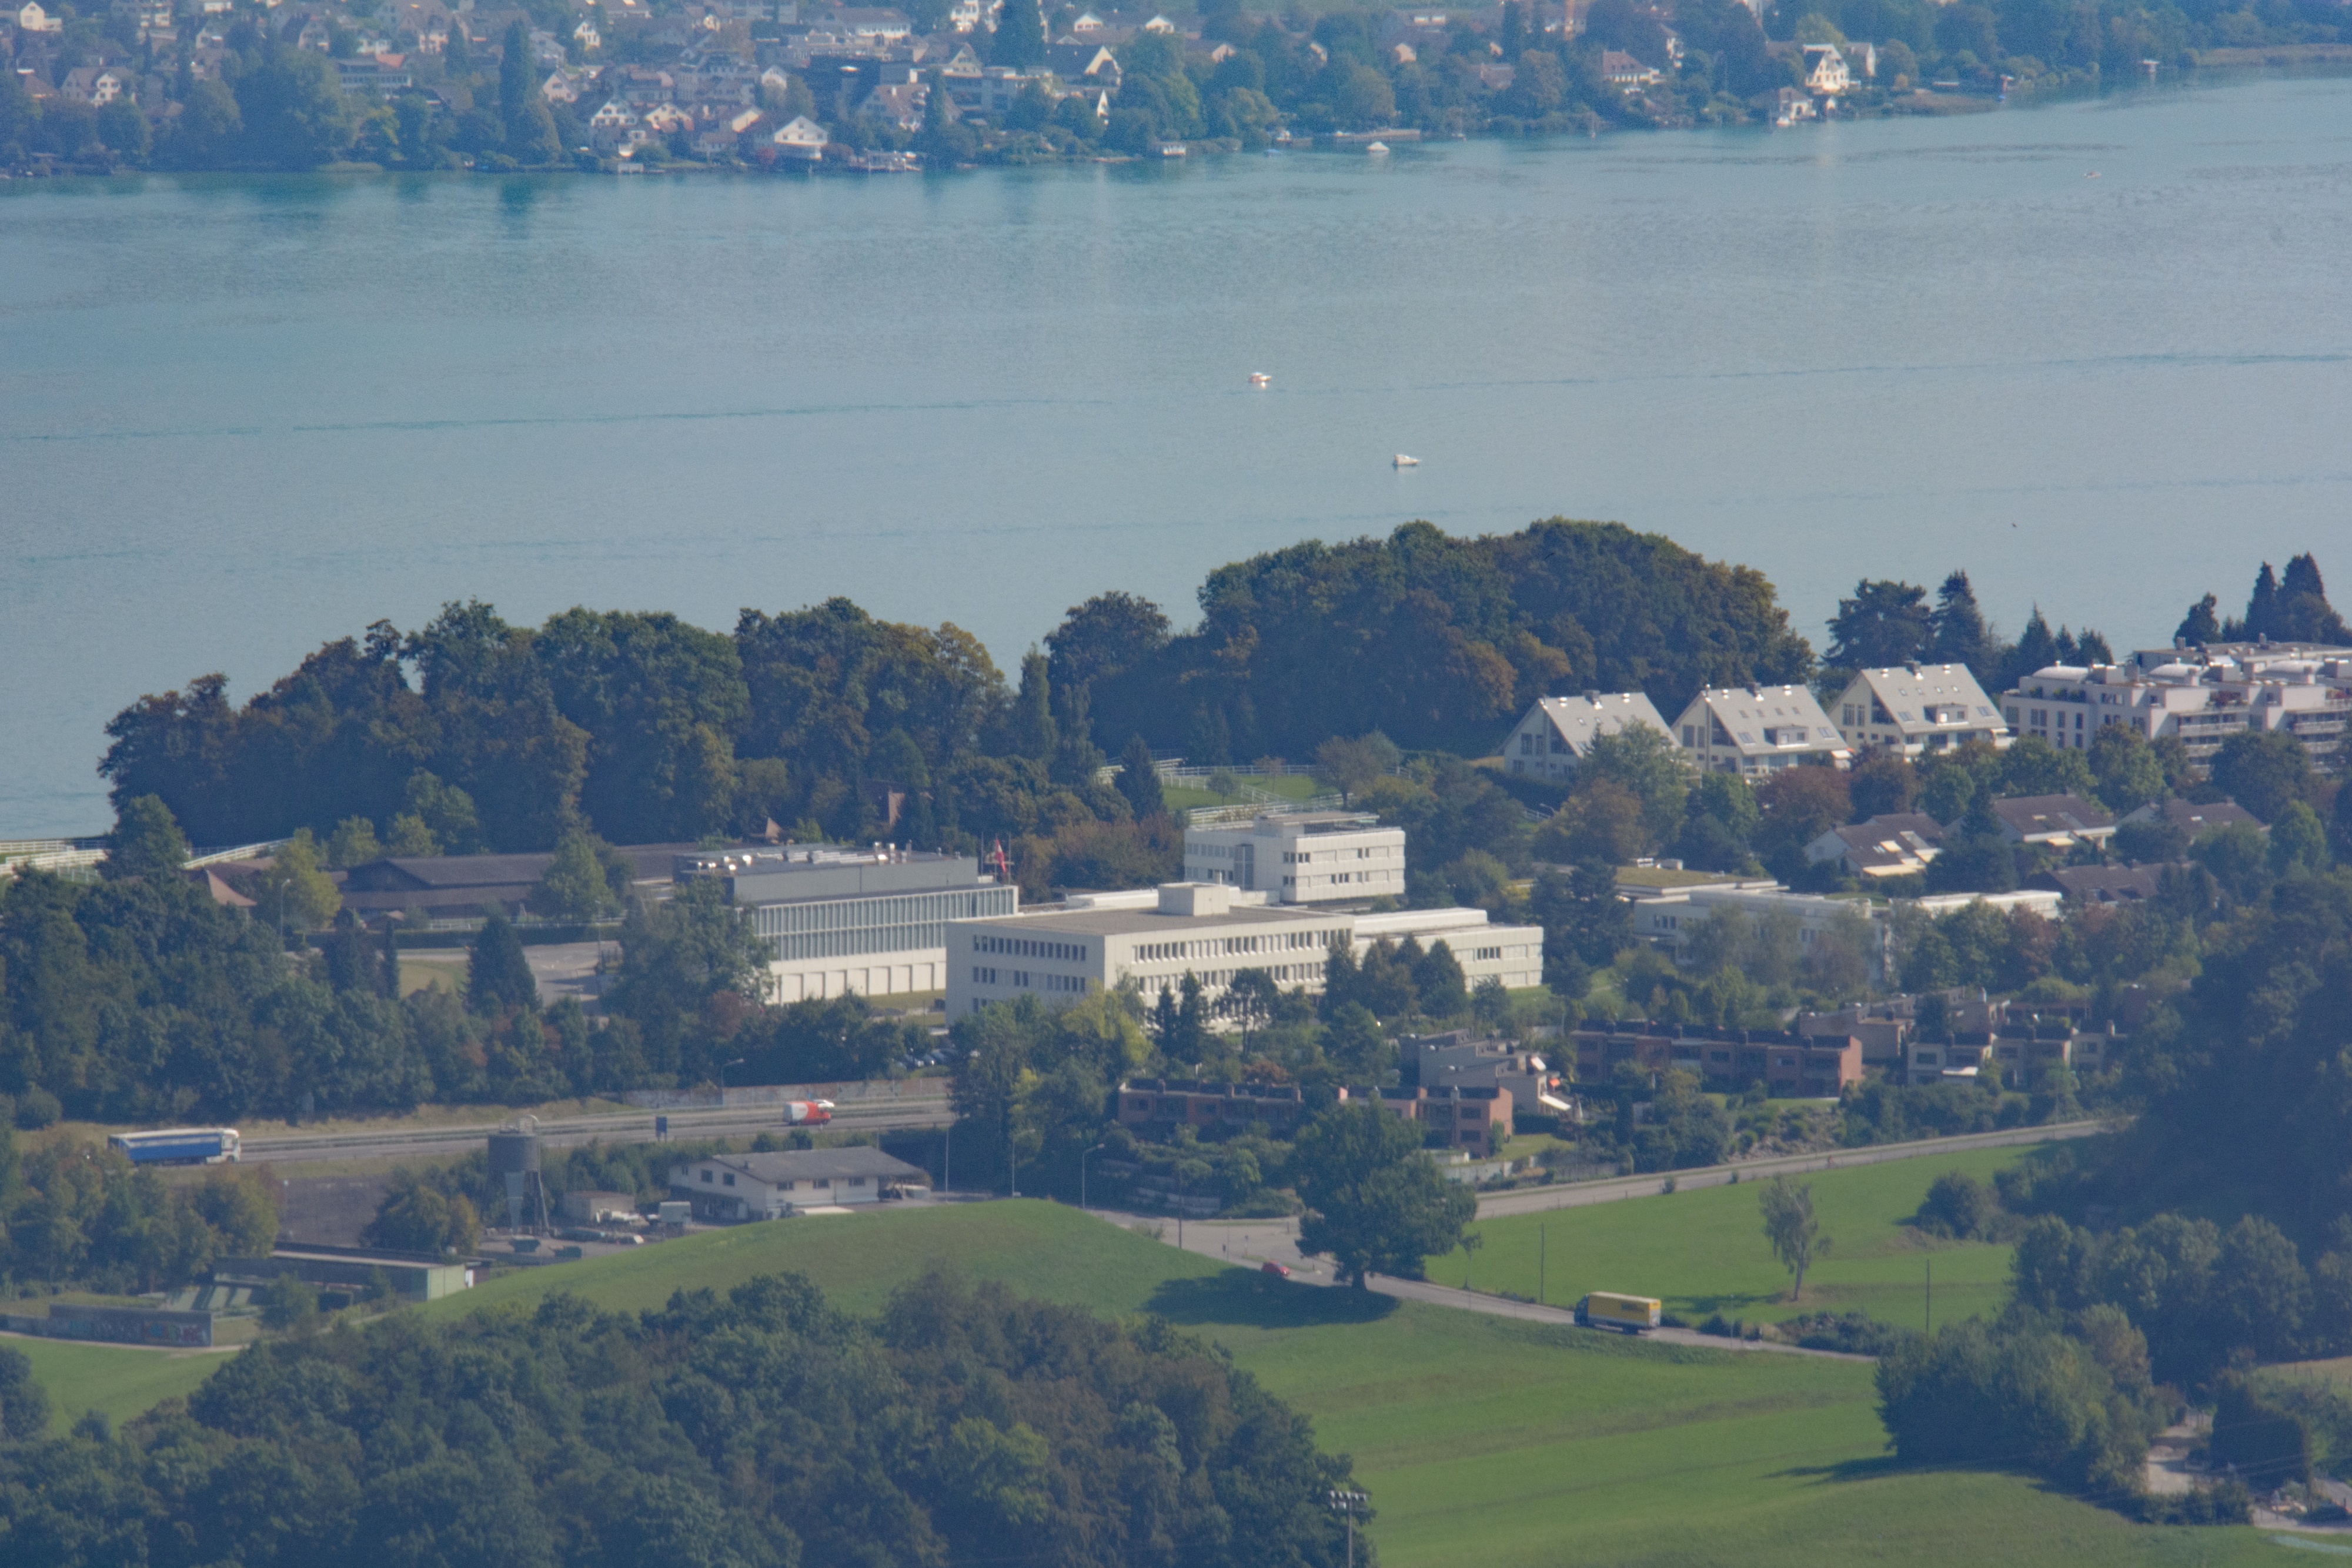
x=841, y=920
x=1157, y=937
x=1304, y=857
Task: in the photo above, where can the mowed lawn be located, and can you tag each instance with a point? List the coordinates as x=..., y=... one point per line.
x=1702, y=1253
x=117, y=1381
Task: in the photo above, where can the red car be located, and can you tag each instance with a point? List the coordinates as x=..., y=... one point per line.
x=1274, y=1269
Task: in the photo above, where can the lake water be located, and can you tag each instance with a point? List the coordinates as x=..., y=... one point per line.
x=239, y=416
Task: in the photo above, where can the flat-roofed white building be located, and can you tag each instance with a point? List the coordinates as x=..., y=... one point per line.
x=1157, y=935
x=1759, y=730
x=1301, y=857
x=1913, y=709
x=1557, y=732
x=1511, y=954
x=1670, y=917
x=840, y=920
x=2202, y=697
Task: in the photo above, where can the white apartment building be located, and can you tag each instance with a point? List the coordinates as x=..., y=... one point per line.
x=1557, y=732
x=841, y=919
x=1759, y=730
x=1913, y=709
x=2204, y=697
x=1304, y=857
x=1157, y=935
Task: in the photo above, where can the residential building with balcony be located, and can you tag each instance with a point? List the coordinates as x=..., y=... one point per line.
x=1557, y=732
x=2202, y=697
x=1820, y=1065
x=1911, y=710
x=1760, y=731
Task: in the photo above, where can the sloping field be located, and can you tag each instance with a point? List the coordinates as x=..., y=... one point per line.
x=1704, y=1251
x=117, y=1381
x=1511, y=1444
x=1507, y=1443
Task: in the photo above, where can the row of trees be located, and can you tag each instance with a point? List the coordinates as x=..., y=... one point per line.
x=71, y=1214
x=280, y=106
x=764, y=1429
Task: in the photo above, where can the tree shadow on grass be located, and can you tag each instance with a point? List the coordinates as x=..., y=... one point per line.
x=1733, y=1305
x=1257, y=1301
x=1876, y=1468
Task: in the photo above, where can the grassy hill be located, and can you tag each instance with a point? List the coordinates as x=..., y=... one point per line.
x=1510, y=1444
x=1518, y=1445
x=1704, y=1251
x=117, y=1381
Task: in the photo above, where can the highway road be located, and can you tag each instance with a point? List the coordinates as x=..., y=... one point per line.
x=621, y=1127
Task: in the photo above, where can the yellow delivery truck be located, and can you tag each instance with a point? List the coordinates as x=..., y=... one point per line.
x=1626, y=1314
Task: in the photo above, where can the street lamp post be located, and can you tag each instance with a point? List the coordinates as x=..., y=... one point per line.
x=722, y=1080
x=1082, y=1173
x=1348, y=1503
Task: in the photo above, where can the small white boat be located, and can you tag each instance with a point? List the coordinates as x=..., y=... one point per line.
x=1377, y=149
x=1402, y=461
x=1260, y=379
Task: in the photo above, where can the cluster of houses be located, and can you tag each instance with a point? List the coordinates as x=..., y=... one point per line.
x=2200, y=695
x=691, y=75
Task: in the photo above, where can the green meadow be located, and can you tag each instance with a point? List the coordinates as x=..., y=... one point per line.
x=117, y=1381
x=1704, y=1251
x=1510, y=1444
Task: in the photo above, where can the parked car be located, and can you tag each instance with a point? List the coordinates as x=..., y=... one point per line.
x=1270, y=1267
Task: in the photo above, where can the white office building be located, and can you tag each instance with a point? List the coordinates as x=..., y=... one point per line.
x=1157, y=935
x=1759, y=730
x=841, y=920
x=1301, y=857
x=1670, y=917
x=1913, y=709
x=2202, y=697
x=1557, y=732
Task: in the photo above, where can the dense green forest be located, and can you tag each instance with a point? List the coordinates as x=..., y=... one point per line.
x=766, y=1430
x=470, y=733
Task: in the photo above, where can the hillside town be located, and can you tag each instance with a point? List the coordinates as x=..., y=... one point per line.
x=622, y=86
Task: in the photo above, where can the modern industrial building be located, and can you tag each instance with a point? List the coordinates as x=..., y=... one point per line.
x=1157, y=935
x=1913, y=709
x=1759, y=730
x=841, y=920
x=1557, y=732
x=1301, y=857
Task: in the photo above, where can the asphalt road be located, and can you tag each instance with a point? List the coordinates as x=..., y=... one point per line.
x=1576, y=1195
x=1253, y=1243
x=625, y=1127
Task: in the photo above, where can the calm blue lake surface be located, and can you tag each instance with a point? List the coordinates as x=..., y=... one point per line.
x=239, y=416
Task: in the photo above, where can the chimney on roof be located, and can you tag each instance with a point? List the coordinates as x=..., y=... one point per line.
x=1593, y=697
x=1912, y=665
